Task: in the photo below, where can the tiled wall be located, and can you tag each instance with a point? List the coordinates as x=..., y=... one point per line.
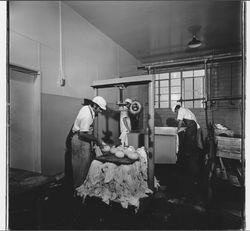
x=226, y=80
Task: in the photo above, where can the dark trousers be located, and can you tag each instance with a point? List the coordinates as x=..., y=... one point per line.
x=189, y=153
x=68, y=162
x=190, y=140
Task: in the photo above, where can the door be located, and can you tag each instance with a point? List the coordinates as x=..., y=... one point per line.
x=24, y=124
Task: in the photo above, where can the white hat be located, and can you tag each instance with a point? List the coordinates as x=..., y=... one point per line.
x=174, y=106
x=128, y=100
x=100, y=101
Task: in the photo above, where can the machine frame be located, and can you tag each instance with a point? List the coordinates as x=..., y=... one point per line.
x=150, y=133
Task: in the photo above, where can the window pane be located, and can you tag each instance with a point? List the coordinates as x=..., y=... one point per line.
x=164, y=104
x=164, y=97
x=198, y=88
x=156, y=90
x=198, y=94
x=164, y=76
x=175, y=82
x=173, y=102
x=157, y=83
x=176, y=89
x=175, y=96
x=198, y=104
x=187, y=74
x=164, y=90
x=199, y=73
x=188, y=95
x=175, y=75
x=188, y=104
x=156, y=97
x=188, y=89
x=164, y=83
x=156, y=104
x=192, y=87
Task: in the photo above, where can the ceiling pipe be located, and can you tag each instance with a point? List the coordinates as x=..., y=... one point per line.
x=196, y=60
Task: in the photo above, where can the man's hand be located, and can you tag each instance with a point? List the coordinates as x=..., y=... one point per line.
x=99, y=143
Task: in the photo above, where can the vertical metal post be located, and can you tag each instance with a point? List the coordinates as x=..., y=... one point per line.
x=121, y=90
x=120, y=94
x=193, y=88
x=7, y=109
x=96, y=123
x=243, y=103
x=231, y=82
x=148, y=70
x=181, y=98
x=151, y=133
x=169, y=90
x=206, y=80
x=159, y=92
x=206, y=93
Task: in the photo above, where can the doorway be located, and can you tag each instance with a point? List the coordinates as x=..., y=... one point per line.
x=25, y=124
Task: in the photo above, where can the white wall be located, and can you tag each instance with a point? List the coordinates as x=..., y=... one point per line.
x=88, y=54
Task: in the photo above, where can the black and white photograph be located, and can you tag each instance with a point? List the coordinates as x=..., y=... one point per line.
x=125, y=115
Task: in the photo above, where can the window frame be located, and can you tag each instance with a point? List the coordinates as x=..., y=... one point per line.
x=182, y=83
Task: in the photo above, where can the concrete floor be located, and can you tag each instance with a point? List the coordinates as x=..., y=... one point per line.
x=179, y=204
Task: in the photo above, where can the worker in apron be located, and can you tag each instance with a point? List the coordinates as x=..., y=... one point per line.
x=125, y=123
x=82, y=138
x=189, y=158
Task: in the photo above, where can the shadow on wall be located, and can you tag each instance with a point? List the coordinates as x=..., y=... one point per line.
x=158, y=120
x=172, y=122
x=135, y=122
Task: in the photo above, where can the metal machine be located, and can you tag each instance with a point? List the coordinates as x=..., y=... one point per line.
x=148, y=131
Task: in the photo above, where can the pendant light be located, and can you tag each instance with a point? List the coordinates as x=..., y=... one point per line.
x=194, y=43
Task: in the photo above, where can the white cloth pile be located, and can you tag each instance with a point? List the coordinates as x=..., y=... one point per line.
x=221, y=129
x=125, y=184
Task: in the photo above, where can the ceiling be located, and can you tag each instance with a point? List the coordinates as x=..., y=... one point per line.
x=155, y=31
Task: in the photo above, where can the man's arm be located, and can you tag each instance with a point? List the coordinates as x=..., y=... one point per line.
x=88, y=137
x=179, y=125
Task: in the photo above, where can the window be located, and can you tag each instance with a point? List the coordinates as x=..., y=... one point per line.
x=186, y=85
x=193, y=88
x=162, y=91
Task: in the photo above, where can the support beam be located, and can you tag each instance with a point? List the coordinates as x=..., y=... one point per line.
x=126, y=81
x=151, y=135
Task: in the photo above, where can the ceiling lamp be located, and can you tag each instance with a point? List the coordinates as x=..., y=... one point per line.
x=194, y=43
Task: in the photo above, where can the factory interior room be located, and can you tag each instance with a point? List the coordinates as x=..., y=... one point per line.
x=126, y=115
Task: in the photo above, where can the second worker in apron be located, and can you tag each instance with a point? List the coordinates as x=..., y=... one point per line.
x=190, y=156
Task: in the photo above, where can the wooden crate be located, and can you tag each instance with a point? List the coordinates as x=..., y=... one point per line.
x=228, y=144
x=228, y=147
x=228, y=154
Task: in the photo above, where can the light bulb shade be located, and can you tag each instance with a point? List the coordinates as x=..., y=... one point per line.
x=194, y=43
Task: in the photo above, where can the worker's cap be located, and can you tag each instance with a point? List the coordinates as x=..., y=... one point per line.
x=100, y=101
x=128, y=101
x=174, y=106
